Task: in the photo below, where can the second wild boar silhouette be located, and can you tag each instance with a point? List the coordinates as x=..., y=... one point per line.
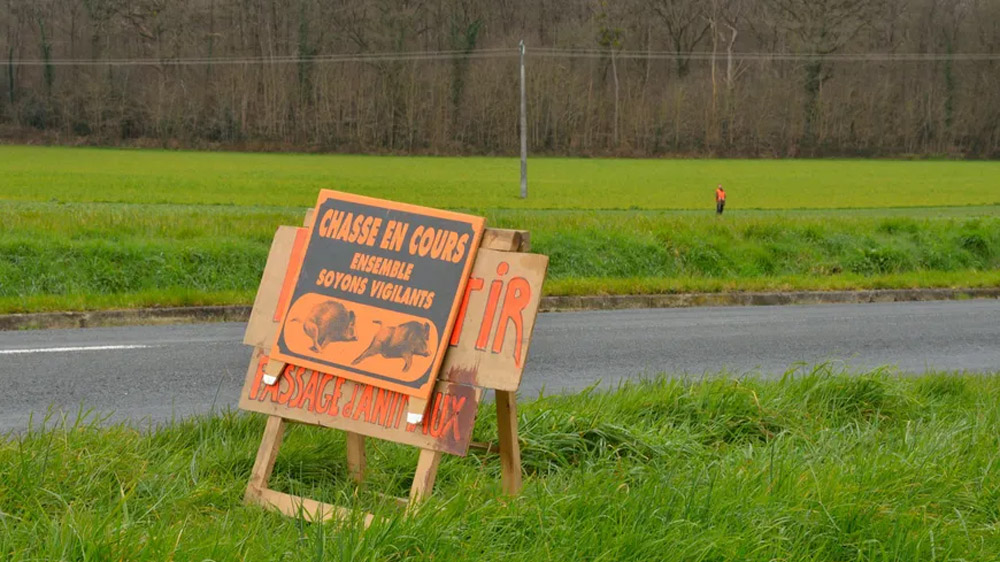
x=399, y=342
x=328, y=322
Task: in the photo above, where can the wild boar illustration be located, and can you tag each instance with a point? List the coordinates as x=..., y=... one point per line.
x=402, y=341
x=328, y=322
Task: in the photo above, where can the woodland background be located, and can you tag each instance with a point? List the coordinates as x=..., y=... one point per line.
x=758, y=78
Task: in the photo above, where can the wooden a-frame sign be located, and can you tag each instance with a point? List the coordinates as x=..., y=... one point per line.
x=487, y=349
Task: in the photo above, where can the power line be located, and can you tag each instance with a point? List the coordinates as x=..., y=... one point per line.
x=550, y=52
x=281, y=59
x=702, y=55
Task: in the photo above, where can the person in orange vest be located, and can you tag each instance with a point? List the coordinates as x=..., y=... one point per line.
x=720, y=199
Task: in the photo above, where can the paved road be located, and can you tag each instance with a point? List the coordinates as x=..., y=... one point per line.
x=156, y=373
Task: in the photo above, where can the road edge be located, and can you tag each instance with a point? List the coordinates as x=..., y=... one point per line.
x=125, y=317
x=239, y=313
x=686, y=300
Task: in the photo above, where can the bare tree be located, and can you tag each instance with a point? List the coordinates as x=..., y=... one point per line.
x=464, y=31
x=686, y=26
x=819, y=28
x=731, y=20
x=714, y=98
x=609, y=37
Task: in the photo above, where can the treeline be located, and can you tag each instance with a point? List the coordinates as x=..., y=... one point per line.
x=626, y=77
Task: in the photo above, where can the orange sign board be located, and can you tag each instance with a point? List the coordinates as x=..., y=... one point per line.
x=374, y=293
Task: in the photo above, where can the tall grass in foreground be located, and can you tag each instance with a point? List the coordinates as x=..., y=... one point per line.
x=85, y=256
x=821, y=466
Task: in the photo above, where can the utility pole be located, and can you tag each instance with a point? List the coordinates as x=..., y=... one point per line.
x=524, y=132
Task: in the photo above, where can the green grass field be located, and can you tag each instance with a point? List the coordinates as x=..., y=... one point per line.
x=99, y=228
x=200, y=178
x=819, y=466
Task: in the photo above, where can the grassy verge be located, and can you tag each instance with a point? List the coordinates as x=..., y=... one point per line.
x=821, y=466
x=102, y=228
x=92, y=256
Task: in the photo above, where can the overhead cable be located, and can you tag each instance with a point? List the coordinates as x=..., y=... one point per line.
x=547, y=52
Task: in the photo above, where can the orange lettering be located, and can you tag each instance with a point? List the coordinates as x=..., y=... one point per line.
x=380, y=411
x=452, y=422
x=436, y=423
x=518, y=296
x=308, y=393
x=366, y=402
x=335, y=398
x=474, y=284
x=491, y=307
x=255, y=387
x=346, y=410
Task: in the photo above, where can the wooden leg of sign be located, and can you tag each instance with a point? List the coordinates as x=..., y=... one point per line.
x=310, y=510
x=356, y=456
x=402, y=503
x=510, y=449
x=423, y=480
x=292, y=506
x=266, y=453
x=487, y=446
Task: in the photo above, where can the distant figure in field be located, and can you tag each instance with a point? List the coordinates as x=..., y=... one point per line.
x=720, y=199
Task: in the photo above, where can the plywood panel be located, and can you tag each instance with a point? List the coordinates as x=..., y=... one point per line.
x=322, y=399
x=489, y=346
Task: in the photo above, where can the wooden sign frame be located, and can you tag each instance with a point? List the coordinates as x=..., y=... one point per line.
x=257, y=491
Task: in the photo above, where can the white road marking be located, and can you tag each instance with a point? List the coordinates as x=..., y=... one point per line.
x=71, y=349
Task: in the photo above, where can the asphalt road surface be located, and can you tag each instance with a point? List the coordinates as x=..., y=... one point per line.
x=153, y=374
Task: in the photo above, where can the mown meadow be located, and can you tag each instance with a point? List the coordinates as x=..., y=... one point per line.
x=101, y=228
x=249, y=179
x=819, y=465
